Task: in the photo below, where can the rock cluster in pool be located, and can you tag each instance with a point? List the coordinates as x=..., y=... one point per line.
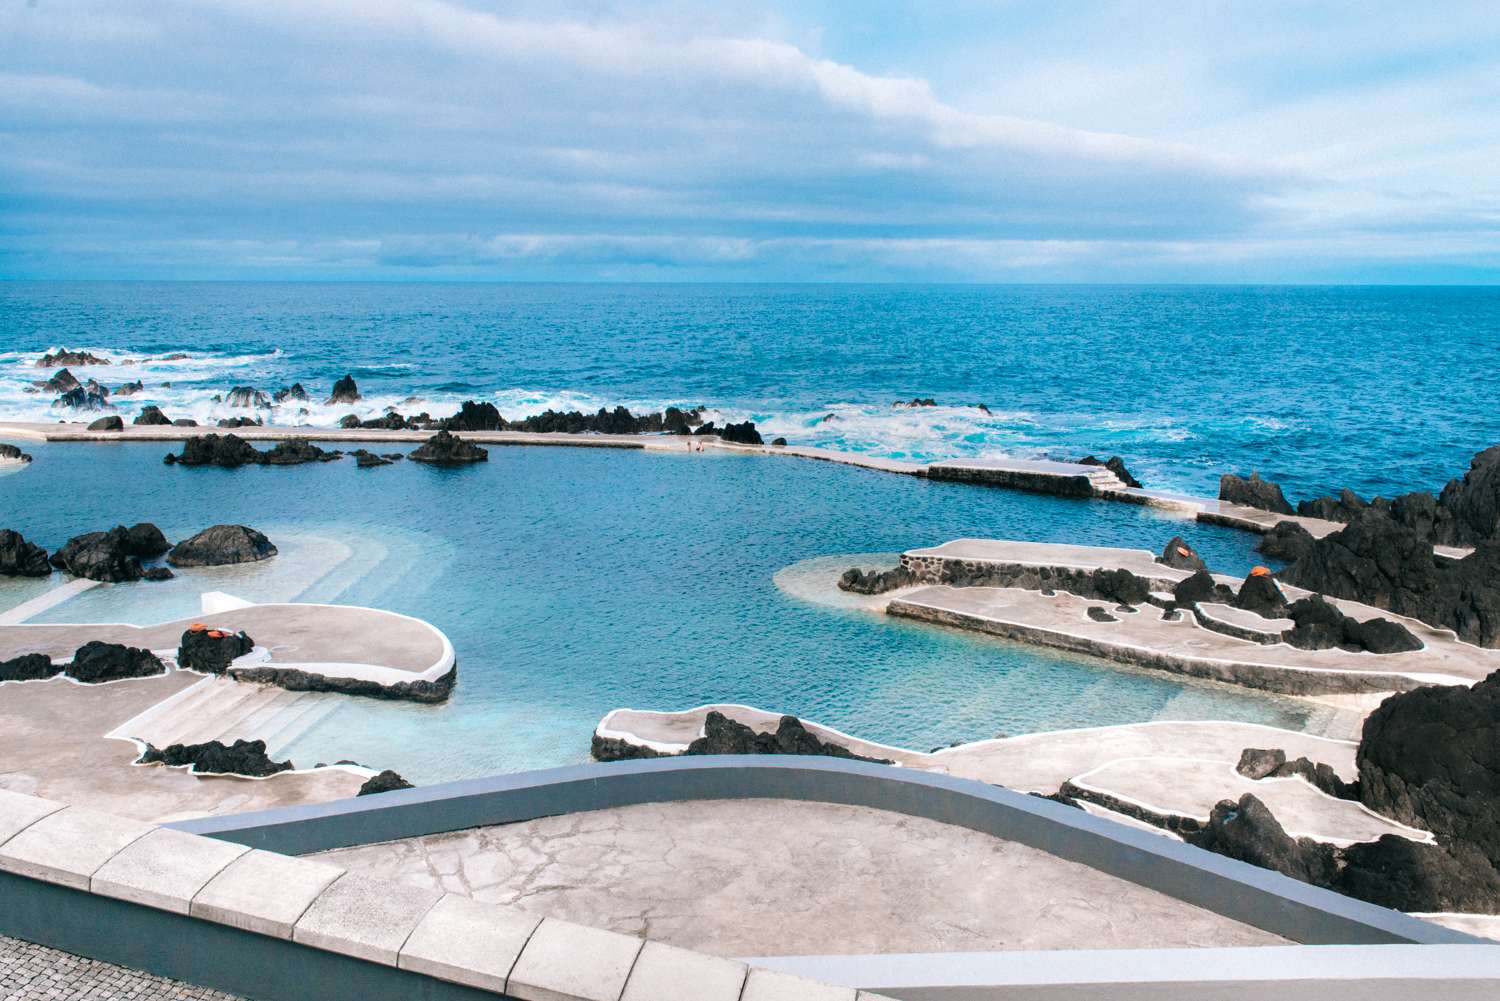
x=115, y=555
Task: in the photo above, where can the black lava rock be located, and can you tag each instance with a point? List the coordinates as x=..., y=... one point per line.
x=212, y=650
x=184, y=422
x=294, y=392
x=294, y=452
x=228, y=452
x=364, y=459
x=444, y=449
x=130, y=389
x=876, y=582
x=350, y=422
x=66, y=357
x=222, y=545
x=1181, y=556
x=386, y=781
x=708, y=429
x=151, y=415
x=723, y=735
x=1248, y=831
x=19, y=558
x=240, y=422
x=1259, y=594
x=29, y=667
x=12, y=452
x=157, y=573
x=344, y=391
x=1257, y=763
x=1201, y=587
x=1378, y=562
x=248, y=396
x=674, y=421
x=744, y=434
x=61, y=382
x=1254, y=492
x=779, y=441
x=96, y=662
x=105, y=556
x=1098, y=614
x=244, y=757
x=1288, y=542
x=83, y=398
x=474, y=416
x=1321, y=626
x=111, y=423
x=145, y=540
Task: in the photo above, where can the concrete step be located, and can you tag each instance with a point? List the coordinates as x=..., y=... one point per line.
x=321, y=706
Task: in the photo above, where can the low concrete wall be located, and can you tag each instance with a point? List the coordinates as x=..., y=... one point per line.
x=1015, y=479
x=1258, y=897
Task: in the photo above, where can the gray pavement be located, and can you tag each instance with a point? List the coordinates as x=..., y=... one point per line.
x=30, y=972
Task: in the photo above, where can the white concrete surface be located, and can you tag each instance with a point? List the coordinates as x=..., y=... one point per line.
x=468, y=943
x=164, y=869
x=667, y=973
x=263, y=892
x=774, y=985
x=18, y=812
x=364, y=917
x=572, y=962
x=69, y=846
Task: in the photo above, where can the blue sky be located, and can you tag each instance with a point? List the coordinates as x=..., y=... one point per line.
x=943, y=141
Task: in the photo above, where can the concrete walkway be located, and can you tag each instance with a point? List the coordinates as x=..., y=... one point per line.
x=775, y=877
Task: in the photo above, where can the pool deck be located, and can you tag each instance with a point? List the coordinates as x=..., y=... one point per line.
x=1181, y=768
x=759, y=877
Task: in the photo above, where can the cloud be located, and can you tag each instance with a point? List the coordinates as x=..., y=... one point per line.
x=374, y=137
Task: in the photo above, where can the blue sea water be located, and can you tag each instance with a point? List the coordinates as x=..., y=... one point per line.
x=573, y=582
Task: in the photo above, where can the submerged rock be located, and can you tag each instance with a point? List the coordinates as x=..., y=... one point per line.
x=29, y=667
x=386, y=781
x=1254, y=492
x=443, y=448
x=1180, y=556
x=723, y=735
x=365, y=459
x=19, y=558
x=244, y=757
x=344, y=391
x=222, y=545
x=212, y=650
x=151, y=415
x=13, y=453
x=916, y=402
x=96, y=662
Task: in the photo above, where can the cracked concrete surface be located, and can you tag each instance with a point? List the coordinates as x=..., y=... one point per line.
x=778, y=877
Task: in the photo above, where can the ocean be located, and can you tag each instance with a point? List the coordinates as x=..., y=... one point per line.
x=573, y=582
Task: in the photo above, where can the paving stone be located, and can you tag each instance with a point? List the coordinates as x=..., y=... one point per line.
x=468, y=942
x=164, y=869
x=364, y=917
x=263, y=892
x=69, y=846
x=36, y=973
x=18, y=812
x=568, y=962
x=667, y=973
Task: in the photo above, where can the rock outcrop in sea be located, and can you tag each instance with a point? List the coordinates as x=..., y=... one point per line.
x=294, y=392
x=13, y=453
x=248, y=396
x=84, y=398
x=111, y=423
x=66, y=357
x=152, y=415
x=130, y=389
x=19, y=558
x=744, y=434
x=445, y=449
x=1254, y=492
x=222, y=545
x=344, y=391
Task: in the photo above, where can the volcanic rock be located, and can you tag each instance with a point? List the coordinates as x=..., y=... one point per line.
x=444, y=448
x=294, y=452
x=1098, y=614
x=1381, y=563
x=365, y=459
x=1288, y=542
x=1254, y=492
x=66, y=357
x=876, y=582
x=244, y=757
x=386, y=781
x=157, y=573
x=725, y=736
x=1321, y=626
x=344, y=391
x=1115, y=465
x=19, y=558
x=474, y=416
x=152, y=415
x=96, y=662
x=1256, y=763
x=61, y=382
x=29, y=667
x=1201, y=587
x=1475, y=500
x=390, y=422
x=229, y=452
x=294, y=392
x=222, y=545
x=674, y=421
x=83, y=398
x=130, y=389
x=184, y=422
x=1181, y=556
x=12, y=452
x=212, y=650
x=240, y=422
x=1259, y=594
x=102, y=556
x=779, y=441
x=248, y=396
x=110, y=423
x=916, y=402
x=707, y=429
x=1248, y=831
x=744, y=434
x=145, y=540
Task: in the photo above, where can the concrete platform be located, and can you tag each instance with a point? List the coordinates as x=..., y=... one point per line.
x=1181, y=768
x=777, y=877
x=54, y=747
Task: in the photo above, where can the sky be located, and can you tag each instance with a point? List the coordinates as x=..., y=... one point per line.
x=947, y=141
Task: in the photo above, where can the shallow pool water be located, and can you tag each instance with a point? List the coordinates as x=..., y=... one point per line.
x=576, y=581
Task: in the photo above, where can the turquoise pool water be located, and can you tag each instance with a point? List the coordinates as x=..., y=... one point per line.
x=576, y=581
